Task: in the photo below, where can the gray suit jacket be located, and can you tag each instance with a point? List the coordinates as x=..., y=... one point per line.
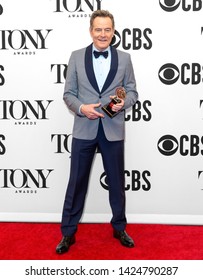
x=81, y=88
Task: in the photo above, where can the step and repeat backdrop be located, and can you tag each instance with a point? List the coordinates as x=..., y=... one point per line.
x=164, y=130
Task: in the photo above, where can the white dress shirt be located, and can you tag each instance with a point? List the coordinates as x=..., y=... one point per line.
x=101, y=66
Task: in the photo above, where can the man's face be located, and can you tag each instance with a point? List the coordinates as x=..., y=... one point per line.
x=102, y=32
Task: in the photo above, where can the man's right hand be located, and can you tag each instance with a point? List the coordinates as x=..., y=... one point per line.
x=89, y=111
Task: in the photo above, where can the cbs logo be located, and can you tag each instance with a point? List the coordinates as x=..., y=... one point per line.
x=190, y=145
x=187, y=5
x=134, y=39
x=135, y=180
x=188, y=73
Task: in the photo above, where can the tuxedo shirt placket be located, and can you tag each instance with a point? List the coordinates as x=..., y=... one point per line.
x=101, y=66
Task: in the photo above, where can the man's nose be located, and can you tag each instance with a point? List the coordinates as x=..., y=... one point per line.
x=103, y=32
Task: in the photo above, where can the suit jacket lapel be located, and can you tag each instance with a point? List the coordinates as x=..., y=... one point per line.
x=113, y=69
x=90, y=71
x=89, y=68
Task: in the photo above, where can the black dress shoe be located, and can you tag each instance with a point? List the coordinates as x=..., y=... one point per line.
x=124, y=238
x=65, y=244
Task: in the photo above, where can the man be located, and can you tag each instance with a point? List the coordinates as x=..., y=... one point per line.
x=91, y=82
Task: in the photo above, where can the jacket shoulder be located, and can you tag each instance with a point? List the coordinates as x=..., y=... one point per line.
x=122, y=53
x=82, y=50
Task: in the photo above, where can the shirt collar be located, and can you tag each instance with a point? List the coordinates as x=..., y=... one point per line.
x=95, y=49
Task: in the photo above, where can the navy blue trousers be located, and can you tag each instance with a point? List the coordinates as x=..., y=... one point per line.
x=82, y=155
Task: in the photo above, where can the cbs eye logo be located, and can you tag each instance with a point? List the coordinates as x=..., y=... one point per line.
x=169, y=5
x=116, y=40
x=104, y=182
x=172, y=5
x=188, y=73
x=167, y=145
x=169, y=74
x=1, y=10
x=188, y=145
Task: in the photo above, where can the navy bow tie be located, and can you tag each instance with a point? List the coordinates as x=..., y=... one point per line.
x=97, y=54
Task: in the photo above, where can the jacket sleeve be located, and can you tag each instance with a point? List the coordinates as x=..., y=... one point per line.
x=70, y=95
x=129, y=83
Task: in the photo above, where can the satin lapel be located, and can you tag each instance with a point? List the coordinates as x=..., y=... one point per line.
x=113, y=69
x=89, y=68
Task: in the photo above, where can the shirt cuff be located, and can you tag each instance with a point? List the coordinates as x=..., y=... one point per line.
x=80, y=110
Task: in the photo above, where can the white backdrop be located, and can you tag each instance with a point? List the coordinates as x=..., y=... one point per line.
x=164, y=139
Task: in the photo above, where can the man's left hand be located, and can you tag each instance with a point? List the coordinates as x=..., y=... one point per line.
x=117, y=107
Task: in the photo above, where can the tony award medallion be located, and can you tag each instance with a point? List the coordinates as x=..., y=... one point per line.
x=120, y=93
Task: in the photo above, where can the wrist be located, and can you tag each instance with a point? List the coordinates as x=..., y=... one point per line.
x=80, y=109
